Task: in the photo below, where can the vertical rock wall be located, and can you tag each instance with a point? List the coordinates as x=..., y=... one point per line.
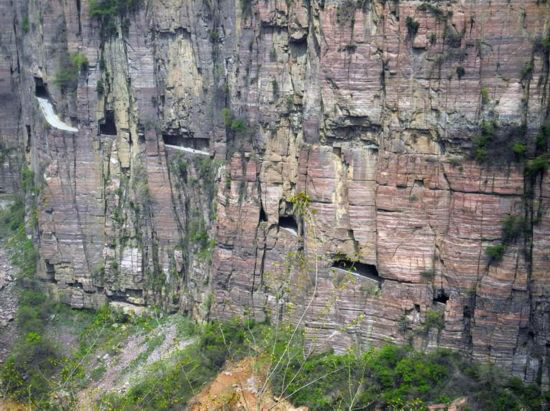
x=375, y=109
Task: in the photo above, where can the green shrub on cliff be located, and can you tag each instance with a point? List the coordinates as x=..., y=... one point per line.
x=519, y=150
x=111, y=8
x=495, y=252
x=543, y=137
x=69, y=69
x=538, y=165
x=434, y=319
x=236, y=125
x=436, y=11
x=80, y=61
x=483, y=141
x=484, y=96
x=25, y=25
x=512, y=227
x=412, y=26
x=109, y=11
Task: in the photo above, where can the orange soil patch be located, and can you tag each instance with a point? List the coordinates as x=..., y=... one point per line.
x=237, y=389
x=7, y=405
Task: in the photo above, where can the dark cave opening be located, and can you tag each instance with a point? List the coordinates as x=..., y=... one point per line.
x=362, y=269
x=263, y=216
x=289, y=223
x=40, y=89
x=441, y=296
x=50, y=270
x=188, y=142
x=29, y=137
x=108, y=126
x=172, y=139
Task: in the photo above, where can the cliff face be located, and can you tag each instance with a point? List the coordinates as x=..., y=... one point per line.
x=409, y=125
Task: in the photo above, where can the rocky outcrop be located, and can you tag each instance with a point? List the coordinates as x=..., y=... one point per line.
x=8, y=305
x=9, y=104
x=397, y=119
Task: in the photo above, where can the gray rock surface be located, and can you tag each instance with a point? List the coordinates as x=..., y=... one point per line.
x=8, y=304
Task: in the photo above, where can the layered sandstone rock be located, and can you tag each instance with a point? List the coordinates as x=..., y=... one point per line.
x=370, y=107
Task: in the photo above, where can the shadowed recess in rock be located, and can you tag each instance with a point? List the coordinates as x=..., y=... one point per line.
x=108, y=126
x=288, y=223
x=263, y=216
x=362, y=269
x=40, y=89
x=441, y=296
x=187, y=142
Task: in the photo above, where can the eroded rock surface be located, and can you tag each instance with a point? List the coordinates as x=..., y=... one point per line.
x=372, y=108
x=8, y=304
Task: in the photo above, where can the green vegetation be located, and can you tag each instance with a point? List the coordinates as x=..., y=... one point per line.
x=25, y=374
x=181, y=167
x=198, y=237
x=538, y=165
x=214, y=36
x=434, y=319
x=519, y=149
x=345, y=10
x=171, y=384
x=25, y=25
x=543, y=137
x=237, y=125
x=428, y=274
x=275, y=88
x=485, y=96
x=452, y=37
x=198, y=173
x=389, y=377
x=542, y=43
x=513, y=227
x=527, y=71
x=71, y=66
x=412, y=26
x=436, y=11
x=301, y=204
x=80, y=61
x=481, y=143
x=273, y=55
x=100, y=88
x=495, y=252
x=109, y=11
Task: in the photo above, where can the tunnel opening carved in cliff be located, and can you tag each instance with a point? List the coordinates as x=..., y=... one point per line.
x=263, y=215
x=49, y=270
x=194, y=143
x=108, y=125
x=289, y=223
x=40, y=88
x=440, y=296
x=358, y=268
